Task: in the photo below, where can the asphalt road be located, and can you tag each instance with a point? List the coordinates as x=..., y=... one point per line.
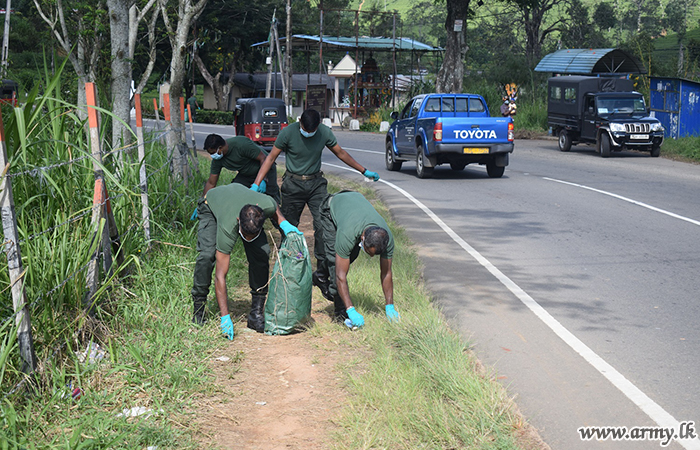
x=575, y=278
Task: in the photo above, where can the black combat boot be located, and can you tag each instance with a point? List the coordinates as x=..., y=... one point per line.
x=200, y=309
x=321, y=281
x=256, y=318
x=339, y=311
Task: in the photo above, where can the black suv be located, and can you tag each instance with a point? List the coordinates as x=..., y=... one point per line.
x=606, y=112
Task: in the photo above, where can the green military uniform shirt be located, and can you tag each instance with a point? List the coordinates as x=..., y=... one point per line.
x=226, y=202
x=241, y=156
x=352, y=214
x=303, y=155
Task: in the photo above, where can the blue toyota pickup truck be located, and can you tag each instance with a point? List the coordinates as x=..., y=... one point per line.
x=436, y=129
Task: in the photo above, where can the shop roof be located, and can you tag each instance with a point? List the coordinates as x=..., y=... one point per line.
x=307, y=42
x=591, y=61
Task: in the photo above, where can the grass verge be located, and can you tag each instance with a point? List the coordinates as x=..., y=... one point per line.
x=410, y=385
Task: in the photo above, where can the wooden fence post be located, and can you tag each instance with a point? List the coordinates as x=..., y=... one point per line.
x=100, y=194
x=145, y=212
x=194, y=142
x=14, y=263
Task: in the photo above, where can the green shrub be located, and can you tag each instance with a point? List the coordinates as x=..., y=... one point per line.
x=215, y=117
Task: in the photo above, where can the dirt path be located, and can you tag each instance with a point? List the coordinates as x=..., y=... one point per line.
x=275, y=392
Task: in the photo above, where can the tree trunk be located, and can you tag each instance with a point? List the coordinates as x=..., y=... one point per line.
x=451, y=73
x=121, y=71
x=135, y=17
x=186, y=13
x=221, y=91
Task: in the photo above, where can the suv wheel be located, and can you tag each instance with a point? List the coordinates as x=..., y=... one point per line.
x=564, y=141
x=655, y=151
x=604, y=145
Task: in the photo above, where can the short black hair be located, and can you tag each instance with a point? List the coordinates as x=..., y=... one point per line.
x=213, y=141
x=376, y=237
x=310, y=119
x=251, y=219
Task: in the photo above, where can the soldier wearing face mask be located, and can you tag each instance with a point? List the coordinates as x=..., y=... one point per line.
x=239, y=154
x=303, y=182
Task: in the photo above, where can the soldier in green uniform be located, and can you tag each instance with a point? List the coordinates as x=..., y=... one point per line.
x=225, y=214
x=303, y=182
x=242, y=155
x=350, y=224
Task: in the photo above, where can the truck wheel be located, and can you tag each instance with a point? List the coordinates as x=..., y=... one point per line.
x=457, y=166
x=391, y=162
x=655, y=151
x=564, y=141
x=493, y=170
x=421, y=170
x=604, y=145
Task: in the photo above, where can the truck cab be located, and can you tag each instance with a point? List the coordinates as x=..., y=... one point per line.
x=606, y=112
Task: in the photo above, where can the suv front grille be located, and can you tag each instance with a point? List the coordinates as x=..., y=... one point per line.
x=637, y=127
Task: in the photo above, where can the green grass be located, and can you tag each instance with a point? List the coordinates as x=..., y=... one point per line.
x=683, y=149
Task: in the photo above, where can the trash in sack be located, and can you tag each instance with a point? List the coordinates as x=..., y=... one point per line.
x=289, y=296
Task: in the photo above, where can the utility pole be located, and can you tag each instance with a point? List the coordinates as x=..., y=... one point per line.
x=269, y=58
x=6, y=40
x=288, y=59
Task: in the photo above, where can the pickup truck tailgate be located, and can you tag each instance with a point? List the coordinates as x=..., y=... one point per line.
x=482, y=130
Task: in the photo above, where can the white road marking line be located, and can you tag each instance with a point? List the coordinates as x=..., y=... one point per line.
x=634, y=202
x=363, y=151
x=639, y=398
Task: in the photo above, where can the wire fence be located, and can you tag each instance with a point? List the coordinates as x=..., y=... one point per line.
x=32, y=234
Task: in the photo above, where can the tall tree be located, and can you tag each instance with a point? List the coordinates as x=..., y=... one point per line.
x=451, y=74
x=224, y=34
x=136, y=16
x=538, y=23
x=121, y=69
x=677, y=12
x=178, y=16
x=79, y=29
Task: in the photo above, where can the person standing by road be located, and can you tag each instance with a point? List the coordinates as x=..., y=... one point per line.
x=192, y=102
x=350, y=224
x=225, y=214
x=303, y=183
x=242, y=155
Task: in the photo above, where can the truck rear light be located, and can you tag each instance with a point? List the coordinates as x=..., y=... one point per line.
x=257, y=133
x=511, y=131
x=437, y=132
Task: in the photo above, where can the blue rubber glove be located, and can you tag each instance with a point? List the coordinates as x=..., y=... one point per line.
x=289, y=228
x=263, y=187
x=194, y=215
x=391, y=313
x=355, y=317
x=227, y=326
x=372, y=175
x=255, y=187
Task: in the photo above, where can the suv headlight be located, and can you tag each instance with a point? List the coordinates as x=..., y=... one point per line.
x=617, y=127
x=657, y=127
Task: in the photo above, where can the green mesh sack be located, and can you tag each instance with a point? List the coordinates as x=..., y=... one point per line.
x=289, y=294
